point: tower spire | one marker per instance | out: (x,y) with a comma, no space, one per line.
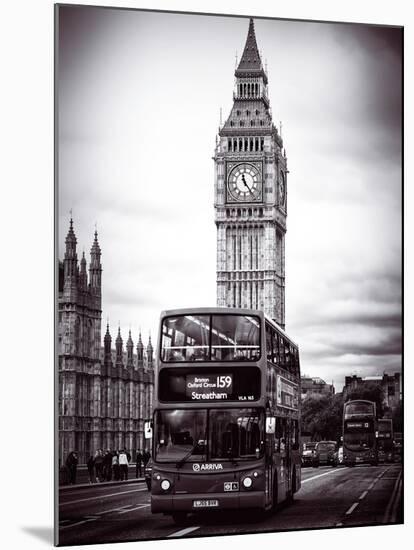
(71,258)
(140,349)
(250,61)
(95,267)
(107,345)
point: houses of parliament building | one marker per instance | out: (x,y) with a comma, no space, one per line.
(105,394)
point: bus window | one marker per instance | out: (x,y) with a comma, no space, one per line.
(280,435)
(269,352)
(235,338)
(276,358)
(185,338)
(283,435)
(235,433)
(296,362)
(288,359)
(295,435)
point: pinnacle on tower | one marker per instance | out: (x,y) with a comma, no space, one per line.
(95,267)
(83,273)
(70,239)
(140,349)
(107,345)
(130,350)
(118,347)
(150,351)
(70,259)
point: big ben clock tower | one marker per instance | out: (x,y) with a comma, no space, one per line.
(251,196)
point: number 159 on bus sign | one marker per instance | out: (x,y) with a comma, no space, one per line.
(224,381)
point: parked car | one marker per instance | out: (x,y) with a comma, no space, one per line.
(326,453)
(308,453)
(148,474)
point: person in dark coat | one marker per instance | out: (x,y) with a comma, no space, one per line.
(147,456)
(140,459)
(107,466)
(99,465)
(71,465)
(91,467)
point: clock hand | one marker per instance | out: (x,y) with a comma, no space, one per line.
(245,183)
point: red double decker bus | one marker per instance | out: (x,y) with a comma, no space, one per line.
(360,433)
(226,413)
(385,441)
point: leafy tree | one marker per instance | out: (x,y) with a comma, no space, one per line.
(322,417)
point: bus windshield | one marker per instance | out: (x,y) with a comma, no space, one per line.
(359,441)
(210,338)
(181,434)
(214,434)
(359,407)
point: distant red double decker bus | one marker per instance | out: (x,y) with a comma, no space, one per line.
(226,413)
(360,433)
(385,441)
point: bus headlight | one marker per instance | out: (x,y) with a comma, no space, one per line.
(165,484)
(247,482)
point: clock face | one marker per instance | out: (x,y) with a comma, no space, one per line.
(244,183)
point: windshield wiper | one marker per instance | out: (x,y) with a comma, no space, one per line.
(190,452)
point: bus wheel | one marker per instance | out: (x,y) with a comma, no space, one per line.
(179,518)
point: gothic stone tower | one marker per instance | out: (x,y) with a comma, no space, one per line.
(105,395)
(250,196)
(80,310)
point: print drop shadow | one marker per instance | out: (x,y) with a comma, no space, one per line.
(44,534)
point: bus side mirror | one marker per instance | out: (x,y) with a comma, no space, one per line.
(270,425)
(147,429)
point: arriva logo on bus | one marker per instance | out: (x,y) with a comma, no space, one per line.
(201,467)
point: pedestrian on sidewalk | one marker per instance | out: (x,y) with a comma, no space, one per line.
(115,465)
(147,456)
(99,466)
(140,459)
(107,465)
(91,467)
(71,465)
(123,465)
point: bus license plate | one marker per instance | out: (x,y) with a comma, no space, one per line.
(212,503)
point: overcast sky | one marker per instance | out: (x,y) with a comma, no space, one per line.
(139,100)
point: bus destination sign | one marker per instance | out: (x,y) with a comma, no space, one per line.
(216,387)
(286,393)
(357,425)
